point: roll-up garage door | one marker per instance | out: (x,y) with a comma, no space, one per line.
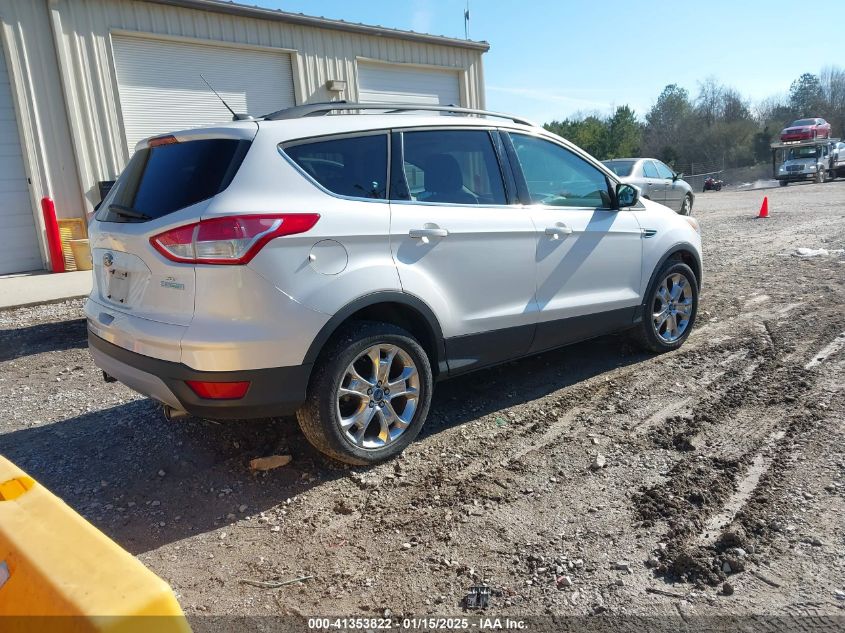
(161,89)
(18,242)
(400,84)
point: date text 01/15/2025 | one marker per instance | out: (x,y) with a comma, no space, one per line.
(481,623)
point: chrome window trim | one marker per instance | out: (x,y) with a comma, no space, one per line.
(454,204)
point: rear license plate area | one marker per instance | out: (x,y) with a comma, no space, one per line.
(118,285)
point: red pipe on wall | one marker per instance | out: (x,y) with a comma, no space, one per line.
(54,238)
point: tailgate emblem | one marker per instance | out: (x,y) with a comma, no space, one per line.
(108,260)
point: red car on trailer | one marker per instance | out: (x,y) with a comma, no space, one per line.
(805,130)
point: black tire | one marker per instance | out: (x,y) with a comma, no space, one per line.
(820,176)
(318,417)
(644,333)
(686,205)
(783,183)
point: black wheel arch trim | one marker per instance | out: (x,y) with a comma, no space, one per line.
(680,247)
(386,296)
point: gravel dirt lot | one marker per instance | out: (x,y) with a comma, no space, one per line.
(724,462)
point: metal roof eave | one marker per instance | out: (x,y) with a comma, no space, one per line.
(278,15)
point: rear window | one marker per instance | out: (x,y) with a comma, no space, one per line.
(160,180)
(353,166)
(621,168)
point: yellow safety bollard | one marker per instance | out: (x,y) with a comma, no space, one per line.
(60,573)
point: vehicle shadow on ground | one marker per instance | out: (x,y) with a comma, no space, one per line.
(45,337)
(490,390)
(147,482)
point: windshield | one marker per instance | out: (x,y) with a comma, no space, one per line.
(803,122)
(801,152)
(620,167)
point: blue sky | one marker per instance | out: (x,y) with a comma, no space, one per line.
(549,59)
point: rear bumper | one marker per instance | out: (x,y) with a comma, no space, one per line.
(272,392)
(799,136)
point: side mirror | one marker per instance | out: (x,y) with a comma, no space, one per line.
(676,177)
(627,195)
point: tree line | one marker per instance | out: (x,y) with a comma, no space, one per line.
(716,128)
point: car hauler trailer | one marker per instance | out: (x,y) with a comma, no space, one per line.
(815,159)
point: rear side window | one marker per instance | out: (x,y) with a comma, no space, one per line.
(160,180)
(663,170)
(621,168)
(351,166)
(650,170)
(453,167)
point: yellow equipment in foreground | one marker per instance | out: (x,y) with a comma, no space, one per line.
(59,573)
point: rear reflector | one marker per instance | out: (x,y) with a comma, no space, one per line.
(230,239)
(218,390)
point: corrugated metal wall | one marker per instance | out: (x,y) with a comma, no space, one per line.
(84,29)
(42,121)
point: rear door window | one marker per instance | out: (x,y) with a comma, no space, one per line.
(663,170)
(163,179)
(354,166)
(453,167)
(649,170)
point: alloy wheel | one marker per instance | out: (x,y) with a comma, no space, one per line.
(378,396)
(672,307)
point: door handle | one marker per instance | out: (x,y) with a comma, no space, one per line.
(559,231)
(427,232)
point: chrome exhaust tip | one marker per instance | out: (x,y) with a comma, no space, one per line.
(171,414)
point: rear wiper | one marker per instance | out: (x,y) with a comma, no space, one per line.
(128,212)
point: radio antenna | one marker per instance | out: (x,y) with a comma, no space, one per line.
(235,117)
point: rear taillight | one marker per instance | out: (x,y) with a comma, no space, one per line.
(218,390)
(231,239)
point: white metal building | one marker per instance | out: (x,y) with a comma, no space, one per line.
(81,81)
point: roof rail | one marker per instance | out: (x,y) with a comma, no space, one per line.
(316,109)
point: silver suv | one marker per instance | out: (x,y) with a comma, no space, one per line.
(338,264)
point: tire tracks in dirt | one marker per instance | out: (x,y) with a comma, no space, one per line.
(729,447)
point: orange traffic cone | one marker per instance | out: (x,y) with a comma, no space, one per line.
(764,208)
